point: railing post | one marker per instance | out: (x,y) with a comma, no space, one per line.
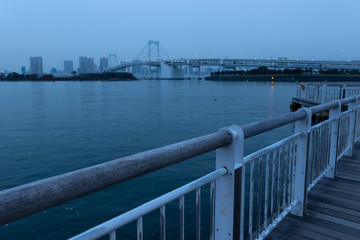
(342,86)
(351,106)
(302,91)
(323,93)
(302,154)
(334,114)
(228,222)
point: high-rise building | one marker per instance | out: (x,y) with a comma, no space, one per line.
(113,60)
(83,65)
(104,64)
(23,70)
(87,65)
(68,66)
(36,65)
(91,66)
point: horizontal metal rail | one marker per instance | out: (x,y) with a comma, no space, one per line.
(27,199)
(270,148)
(117,222)
(34,197)
(258,127)
(324,107)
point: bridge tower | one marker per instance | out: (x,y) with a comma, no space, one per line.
(151,44)
(154,69)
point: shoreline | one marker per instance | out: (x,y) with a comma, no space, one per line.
(287,78)
(66,80)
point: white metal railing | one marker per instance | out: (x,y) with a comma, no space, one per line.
(319,152)
(271,181)
(248,195)
(137,214)
(321,93)
(357,124)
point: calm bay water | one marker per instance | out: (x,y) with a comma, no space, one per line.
(51,128)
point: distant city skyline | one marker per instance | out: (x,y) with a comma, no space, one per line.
(66,30)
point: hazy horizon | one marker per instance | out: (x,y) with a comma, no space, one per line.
(65,30)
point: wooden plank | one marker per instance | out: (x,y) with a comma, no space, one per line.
(334,219)
(333,192)
(353,158)
(334,213)
(301,222)
(288,230)
(340,190)
(340,185)
(350,159)
(336,208)
(342,181)
(348,176)
(279,235)
(349,167)
(337,201)
(273,237)
(337,227)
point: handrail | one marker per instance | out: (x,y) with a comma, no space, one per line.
(117,222)
(324,107)
(37,196)
(27,199)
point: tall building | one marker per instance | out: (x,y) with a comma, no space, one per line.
(83,65)
(87,65)
(104,64)
(113,60)
(36,65)
(91,66)
(68,66)
(23,70)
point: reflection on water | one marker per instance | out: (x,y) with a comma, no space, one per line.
(271,100)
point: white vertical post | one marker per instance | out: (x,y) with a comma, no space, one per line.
(303,91)
(352,106)
(302,155)
(323,94)
(334,114)
(224,192)
(342,88)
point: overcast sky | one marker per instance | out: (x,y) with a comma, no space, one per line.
(61,30)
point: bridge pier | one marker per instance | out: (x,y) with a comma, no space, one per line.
(195,70)
(177,72)
(154,72)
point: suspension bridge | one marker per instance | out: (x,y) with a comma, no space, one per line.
(149,61)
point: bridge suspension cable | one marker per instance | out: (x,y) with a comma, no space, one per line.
(151,46)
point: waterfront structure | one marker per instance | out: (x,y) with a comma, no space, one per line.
(36,65)
(23,70)
(104,64)
(312,94)
(68,67)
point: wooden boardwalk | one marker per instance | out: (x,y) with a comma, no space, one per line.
(333,210)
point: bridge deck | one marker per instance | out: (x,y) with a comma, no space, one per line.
(333,210)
